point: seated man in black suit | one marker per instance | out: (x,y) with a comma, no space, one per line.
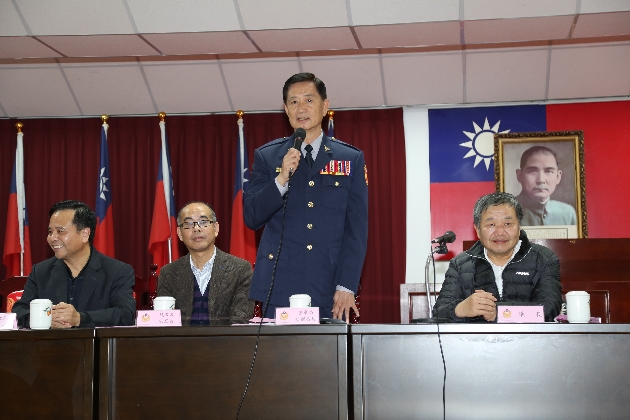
(87,288)
(209,285)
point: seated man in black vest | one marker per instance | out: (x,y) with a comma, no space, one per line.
(502,266)
(209,285)
(87,288)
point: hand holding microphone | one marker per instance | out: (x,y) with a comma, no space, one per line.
(291,160)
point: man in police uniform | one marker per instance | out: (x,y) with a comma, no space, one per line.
(326,219)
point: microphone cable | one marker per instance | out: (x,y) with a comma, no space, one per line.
(264,307)
(439,341)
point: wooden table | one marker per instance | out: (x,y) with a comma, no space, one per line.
(201,372)
(46,374)
(518,371)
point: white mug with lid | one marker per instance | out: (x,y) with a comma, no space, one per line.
(578,307)
(163,303)
(300,301)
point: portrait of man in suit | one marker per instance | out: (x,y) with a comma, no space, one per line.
(542,177)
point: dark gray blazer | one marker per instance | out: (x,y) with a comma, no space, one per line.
(228,289)
(106,296)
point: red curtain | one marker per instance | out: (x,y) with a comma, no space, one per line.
(61,162)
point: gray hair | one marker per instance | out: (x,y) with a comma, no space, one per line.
(496,199)
(179,214)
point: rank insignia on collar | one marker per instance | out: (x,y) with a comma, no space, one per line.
(278,170)
(338,167)
(326,149)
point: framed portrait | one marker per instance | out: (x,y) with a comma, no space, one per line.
(545,171)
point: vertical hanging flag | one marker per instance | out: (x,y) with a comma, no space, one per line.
(242,240)
(104,235)
(331,123)
(163,239)
(17,244)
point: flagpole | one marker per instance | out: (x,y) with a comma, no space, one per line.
(167,183)
(20,178)
(241,144)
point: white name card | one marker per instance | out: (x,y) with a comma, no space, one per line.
(170,318)
(297,316)
(8,322)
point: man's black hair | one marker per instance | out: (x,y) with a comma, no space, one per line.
(84,217)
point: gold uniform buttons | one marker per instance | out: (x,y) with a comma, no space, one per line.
(310,226)
(271,256)
(309,247)
(311,183)
(336,184)
(310,204)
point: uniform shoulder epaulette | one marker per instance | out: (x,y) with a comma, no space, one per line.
(343,143)
(274,142)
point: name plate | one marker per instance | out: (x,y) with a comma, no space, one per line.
(8,322)
(170,318)
(297,316)
(520,314)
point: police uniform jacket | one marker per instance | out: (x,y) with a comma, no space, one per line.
(325,225)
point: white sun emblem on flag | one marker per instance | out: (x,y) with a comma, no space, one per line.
(103,186)
(481,142)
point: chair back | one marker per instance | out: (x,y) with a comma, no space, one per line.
(8,286)
(413,300)
(12,298)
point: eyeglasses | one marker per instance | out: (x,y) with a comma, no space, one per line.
(202,224)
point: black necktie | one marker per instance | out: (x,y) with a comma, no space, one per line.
(309,156)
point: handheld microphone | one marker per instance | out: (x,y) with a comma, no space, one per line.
(448,237)
(299,136)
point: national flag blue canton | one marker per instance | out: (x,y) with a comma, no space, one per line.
(461,140)
(331,127)
(103,194)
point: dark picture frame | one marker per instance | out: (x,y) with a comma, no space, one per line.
(569,148)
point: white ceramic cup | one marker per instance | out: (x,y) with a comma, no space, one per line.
(164,303)
(578,307)
(40,314)
(300,301)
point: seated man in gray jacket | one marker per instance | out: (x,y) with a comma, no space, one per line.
(209,285)
(502,266)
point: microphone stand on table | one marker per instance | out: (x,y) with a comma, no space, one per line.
(440,249)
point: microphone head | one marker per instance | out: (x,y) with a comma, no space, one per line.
(300,133)
(449,237)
